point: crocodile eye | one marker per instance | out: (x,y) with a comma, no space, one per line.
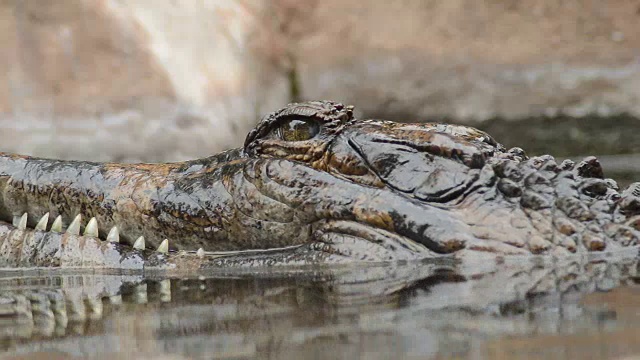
(298,130)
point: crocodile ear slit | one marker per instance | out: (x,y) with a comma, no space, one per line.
(74,227)
(42,223)
(92,228)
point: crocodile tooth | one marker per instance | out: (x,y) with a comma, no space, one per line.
(139,244)
(163,247)
(22,223)
(200,252)
(74,227)
(42,224)
(57,224)
(92,228)
(114,235)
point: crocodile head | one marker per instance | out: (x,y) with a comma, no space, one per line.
(427,189)
(313,183)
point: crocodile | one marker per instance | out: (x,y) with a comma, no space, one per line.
(314,185)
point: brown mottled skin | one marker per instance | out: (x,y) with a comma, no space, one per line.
(313,184)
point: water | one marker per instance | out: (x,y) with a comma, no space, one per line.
(509,308)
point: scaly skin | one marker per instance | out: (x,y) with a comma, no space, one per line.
(356,190)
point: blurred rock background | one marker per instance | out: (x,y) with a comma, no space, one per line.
(147,80)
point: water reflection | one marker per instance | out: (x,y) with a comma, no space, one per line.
(378,311)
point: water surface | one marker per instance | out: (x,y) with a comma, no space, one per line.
(491,308)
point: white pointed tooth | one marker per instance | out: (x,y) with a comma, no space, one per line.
(163,247)
(139,244)
(74,227)
(57,224)
(200,252)
(22,223)
(114,235)
(92,228)
(42,224)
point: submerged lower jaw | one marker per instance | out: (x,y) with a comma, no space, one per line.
(90,230)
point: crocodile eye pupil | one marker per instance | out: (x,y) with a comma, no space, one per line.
(298,130)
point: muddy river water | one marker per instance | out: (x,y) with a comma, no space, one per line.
(581,307)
